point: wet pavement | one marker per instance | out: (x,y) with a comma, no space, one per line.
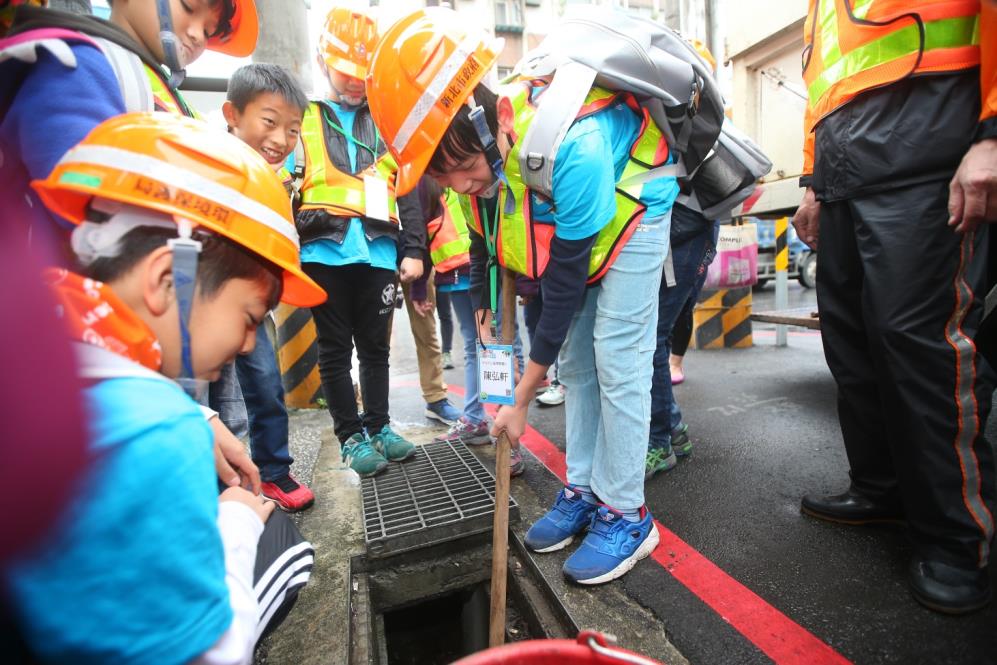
(752,580)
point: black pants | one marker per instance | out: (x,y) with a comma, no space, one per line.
(284,562)
(359,309)
(900,297)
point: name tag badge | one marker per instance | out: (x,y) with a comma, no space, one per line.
(376,197)
(495,378)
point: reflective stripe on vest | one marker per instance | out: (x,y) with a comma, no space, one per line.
(449,240)
(325,186)
(522,244)
(165,99)
(857,45)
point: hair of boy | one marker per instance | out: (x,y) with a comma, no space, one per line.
(460,141)
(250,81)
(219,261)
(224,19)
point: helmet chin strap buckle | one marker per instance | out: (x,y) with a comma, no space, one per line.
(185,256)
(170,43)
(492,154)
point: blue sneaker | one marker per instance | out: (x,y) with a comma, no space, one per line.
(443,411)
(612,547)
(555,530)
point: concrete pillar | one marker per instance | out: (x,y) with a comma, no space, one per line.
(285,37)
(75,6)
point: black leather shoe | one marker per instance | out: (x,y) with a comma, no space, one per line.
(947,589)
(851,507)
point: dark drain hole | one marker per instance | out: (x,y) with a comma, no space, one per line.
(446,628)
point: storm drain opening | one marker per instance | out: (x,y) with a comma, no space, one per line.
(420,592)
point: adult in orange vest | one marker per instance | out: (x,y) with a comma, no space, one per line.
(901,169)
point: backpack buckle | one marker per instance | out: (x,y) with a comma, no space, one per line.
(535,161)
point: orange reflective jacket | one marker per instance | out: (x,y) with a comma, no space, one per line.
(851,46)
(449,240)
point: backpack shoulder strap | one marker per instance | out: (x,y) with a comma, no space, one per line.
(25,46)
(130,72)
(557,109)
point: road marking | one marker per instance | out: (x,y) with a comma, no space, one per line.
(776,635)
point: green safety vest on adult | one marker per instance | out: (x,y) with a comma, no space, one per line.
(523,245)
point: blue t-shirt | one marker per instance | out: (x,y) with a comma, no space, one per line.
(355,248)
(584,180)
(135,570)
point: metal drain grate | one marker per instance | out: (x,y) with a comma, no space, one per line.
(442,493)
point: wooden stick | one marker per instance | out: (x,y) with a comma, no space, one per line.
(500,527)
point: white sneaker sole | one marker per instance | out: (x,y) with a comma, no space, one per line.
(555,547)
(626,565)
(437,417)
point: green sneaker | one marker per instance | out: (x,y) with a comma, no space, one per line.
(392,446)
(658,459)
(361,456)
(680,440)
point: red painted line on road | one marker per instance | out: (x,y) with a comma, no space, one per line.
(776,635)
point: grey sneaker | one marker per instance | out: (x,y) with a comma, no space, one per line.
(680,440)
(466,432)
(447,360)
(659,459)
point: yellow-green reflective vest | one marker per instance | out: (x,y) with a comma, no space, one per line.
(523,245)
(449,239)
(325,186)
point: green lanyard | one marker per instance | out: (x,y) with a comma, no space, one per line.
(491,242)
(377,135)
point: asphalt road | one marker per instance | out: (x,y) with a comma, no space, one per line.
(765,432)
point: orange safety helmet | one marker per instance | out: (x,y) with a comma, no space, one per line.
(186,169)
(704,53)
(348,41)
(425,67)
(244,28)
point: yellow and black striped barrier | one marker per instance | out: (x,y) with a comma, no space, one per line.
(781,244)
(722,319)
(297,354)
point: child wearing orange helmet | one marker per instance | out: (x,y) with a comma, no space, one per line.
(598,243)
(348,221)
(185,239)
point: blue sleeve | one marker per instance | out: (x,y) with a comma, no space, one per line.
(135,572)
(584,182)
(563,284)
(55,106)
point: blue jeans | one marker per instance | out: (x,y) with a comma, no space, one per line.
(606,365)
(464,310)
(690,261)
(259,379)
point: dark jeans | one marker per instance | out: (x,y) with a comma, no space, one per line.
(531,316)
(900,297)
(690,260)
(446,320)
(359,309)
(682,332)
(259,379)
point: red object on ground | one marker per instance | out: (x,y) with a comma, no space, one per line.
(292,497)
(589,647)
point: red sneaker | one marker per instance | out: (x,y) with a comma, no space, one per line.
(290,495)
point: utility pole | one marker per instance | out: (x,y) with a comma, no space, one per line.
(284,37)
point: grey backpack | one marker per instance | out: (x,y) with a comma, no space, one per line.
(619,52)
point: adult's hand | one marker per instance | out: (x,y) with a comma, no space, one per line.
(410,270)
(233,464)
(806,221)
(973,190)
(260,506)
